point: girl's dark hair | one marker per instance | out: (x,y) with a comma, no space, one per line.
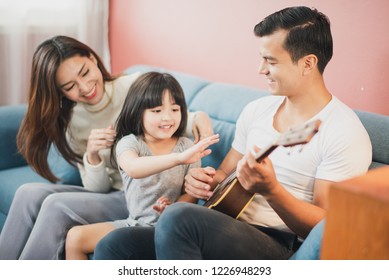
(147,92)
(309,32)
(48,117)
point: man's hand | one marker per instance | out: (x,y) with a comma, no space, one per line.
(256,177)
(198,182)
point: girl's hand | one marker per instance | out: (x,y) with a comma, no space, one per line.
(202,126)
(99,139)
(161,205)
(199,150)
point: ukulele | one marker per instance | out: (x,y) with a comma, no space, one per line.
(230,198)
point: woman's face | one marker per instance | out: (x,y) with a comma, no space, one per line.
(81,80)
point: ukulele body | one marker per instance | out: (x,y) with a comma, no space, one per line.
(232,201)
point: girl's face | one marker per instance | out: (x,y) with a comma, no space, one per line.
(81,80)
(163,121)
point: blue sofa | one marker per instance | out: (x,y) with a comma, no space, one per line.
(223,102)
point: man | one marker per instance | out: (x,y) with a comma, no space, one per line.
(295,45)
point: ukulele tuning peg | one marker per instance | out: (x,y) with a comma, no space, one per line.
(290,150)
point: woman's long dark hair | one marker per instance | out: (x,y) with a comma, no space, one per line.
(147,92)
(48,114)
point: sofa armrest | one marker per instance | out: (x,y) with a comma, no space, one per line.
(377,126)
(10,119)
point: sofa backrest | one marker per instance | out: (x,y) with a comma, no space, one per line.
(10,120)
(202,95)
(377,127)
(223,103)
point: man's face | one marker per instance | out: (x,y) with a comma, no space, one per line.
(283,76)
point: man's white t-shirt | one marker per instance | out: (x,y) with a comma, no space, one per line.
(340,150)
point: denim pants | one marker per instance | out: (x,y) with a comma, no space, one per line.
(128,243)
(310,249)
(188,231)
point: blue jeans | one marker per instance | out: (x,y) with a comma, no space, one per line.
(129,243)
(189,231)
(310,249)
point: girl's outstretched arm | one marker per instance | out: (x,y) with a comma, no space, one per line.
(140,167)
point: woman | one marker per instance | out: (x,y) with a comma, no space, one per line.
(73,104)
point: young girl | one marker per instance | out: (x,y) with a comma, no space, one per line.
(73,104)
(152,155)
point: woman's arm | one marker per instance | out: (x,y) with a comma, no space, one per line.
(95,177)
(199,125)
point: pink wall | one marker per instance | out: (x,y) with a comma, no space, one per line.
(214,40)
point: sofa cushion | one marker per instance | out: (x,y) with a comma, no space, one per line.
(65,172)
(234,98)
(11,118)
(190,84)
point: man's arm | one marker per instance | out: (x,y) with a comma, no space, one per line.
(298,215)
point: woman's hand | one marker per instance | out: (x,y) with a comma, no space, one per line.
(202,126)
(99,139)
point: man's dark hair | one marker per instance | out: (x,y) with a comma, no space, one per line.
(308,30)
